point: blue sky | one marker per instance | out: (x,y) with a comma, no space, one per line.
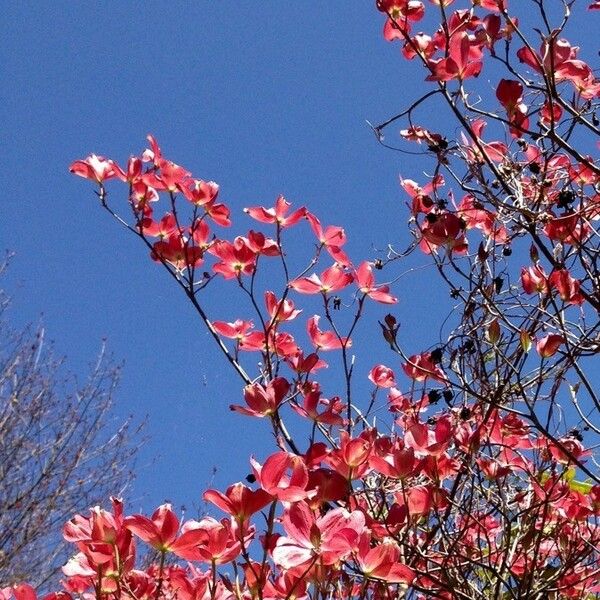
(262,97)
(264,100)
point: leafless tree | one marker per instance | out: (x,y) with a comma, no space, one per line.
(61,449)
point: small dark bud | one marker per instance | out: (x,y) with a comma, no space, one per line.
(436,356)
(482,253)
(565,198)
(431,421)
(469,309)
(389,337)
(469,346)
(534,254)
(506,251)
(433,396)
(535,168)
(576,434)
(438,146)
(378,264)
(465,413)
(448,397)
(389,329)
(337,303)
(427,201)
(498,283)
(251,478)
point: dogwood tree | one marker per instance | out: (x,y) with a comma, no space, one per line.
(485,485)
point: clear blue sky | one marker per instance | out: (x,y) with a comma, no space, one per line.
(264,98)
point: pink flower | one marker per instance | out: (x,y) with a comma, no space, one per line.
(510,94)
(534,279)
(262,401)
(277,213)
(421,367)
(463,61)
(236,258)
(351,459)
(169,177)
(280,310)
(444,229)
(161,530)
(574,448)
(325,340)
(332,279)
(422,201)
(328,539)
(261,244)
(548,345)
(331,413)
(218,542)
(398,463)
(306,364)
(567,286)
(200,193)
(177,251)
(568,229)
(476,216)
(162,229)
(332,238)
(22,591)
(238,500)
(95,167)
(382,376)
(382,561)
(283,476)
(366,284)
(427,441)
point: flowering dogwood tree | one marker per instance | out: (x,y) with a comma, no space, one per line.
(486,485)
